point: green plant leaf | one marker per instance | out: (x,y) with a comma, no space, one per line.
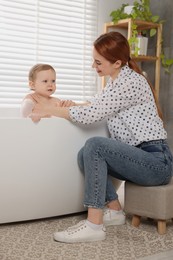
(134,26)
(152,32)
(169,62)
(155,18)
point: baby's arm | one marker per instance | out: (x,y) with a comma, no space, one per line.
(26,107)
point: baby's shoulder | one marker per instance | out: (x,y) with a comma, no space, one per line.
(55,99)
(29,98)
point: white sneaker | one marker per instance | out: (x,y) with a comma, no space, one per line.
(80,233)
(113,217)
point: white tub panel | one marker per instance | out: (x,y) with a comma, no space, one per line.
(39,175)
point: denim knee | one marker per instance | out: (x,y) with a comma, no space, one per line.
(92,144)
(88,147)
(80,159)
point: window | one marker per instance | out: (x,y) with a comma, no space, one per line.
(57,32)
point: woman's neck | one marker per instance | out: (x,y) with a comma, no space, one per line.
(115,74)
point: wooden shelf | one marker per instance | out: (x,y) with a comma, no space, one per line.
(126,24)
(144,58)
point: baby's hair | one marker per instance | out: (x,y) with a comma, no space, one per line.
(37,68)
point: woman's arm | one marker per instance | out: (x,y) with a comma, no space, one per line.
(43,111)
(70,103)
(46,110)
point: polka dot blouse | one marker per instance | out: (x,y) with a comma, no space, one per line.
(129,106)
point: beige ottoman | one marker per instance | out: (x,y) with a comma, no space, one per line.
(154,202)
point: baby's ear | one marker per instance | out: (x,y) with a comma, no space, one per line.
(31,85)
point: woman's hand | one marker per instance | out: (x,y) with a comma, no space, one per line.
(43,109)
(66,103)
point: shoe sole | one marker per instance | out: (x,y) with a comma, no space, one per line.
(75,240)
(114,222)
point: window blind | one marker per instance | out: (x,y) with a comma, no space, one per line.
(60,33)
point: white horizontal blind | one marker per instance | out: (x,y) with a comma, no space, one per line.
(60,33)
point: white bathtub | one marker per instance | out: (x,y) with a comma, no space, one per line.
(39,175)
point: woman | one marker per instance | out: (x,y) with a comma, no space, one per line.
(136,151)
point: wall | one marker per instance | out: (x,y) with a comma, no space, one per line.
(105,7)
(165,10)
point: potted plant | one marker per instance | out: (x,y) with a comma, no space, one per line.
(140,10)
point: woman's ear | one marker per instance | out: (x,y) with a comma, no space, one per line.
(117,64)
(31,85)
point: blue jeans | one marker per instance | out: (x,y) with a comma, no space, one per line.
(148,164)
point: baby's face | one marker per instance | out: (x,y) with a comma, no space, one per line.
(45,83)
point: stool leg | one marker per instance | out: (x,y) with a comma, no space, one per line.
(161,226)
(136,220)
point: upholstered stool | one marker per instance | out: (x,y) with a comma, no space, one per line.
(154,202)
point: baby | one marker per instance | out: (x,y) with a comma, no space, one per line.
(42,81)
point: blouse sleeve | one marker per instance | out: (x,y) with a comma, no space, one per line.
(115,97)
